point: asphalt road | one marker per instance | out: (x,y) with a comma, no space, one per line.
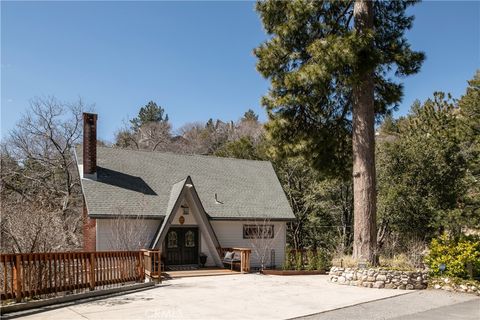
(418,305)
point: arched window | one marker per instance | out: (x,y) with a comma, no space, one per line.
(189,239)
(172,239)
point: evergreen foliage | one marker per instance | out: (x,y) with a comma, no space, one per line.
(313,58)
(423,173)
(151,112)
(250,115)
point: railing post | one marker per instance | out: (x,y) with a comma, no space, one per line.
(141,268)
(159,257)
(92,271)
(242,261)
(17,277)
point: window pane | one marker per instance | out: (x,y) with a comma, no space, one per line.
(172,240)
(258,232)
(189,239)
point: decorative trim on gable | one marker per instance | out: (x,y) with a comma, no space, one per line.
(178,193)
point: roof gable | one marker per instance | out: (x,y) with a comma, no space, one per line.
(180,191)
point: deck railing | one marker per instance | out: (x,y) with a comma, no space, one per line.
(242,253)
(153,265)
(33,275)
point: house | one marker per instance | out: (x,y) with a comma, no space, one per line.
(183,205)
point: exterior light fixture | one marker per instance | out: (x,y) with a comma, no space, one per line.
(442,267)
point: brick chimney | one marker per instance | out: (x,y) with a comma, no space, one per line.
(89,145)
(89,172)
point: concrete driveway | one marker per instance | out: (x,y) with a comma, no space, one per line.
(248,296)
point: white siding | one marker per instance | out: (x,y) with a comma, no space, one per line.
(230,234)
(189,218)
(111,231)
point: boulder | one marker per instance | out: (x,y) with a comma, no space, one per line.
(381,277)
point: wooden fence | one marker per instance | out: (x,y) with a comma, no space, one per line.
(32,275)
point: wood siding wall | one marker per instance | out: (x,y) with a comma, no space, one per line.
(107,233)
(230,234)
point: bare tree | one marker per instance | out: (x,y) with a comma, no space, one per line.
(251,128)
(126,139)
(262,236)
(193,141)
(128,233)
(152,136)
(29,227)
(39,174)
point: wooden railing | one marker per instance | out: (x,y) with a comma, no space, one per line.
(153,265)
(242,253)
(36,274)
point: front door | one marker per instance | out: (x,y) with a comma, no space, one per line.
(182,246)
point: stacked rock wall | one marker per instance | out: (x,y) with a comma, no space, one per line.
(380,278)
(448,284)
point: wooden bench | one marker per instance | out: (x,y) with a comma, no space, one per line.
(241,258)
(231,262)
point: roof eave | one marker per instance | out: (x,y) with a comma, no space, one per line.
(127,216)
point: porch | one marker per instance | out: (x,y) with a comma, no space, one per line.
(156,259)
(203,272)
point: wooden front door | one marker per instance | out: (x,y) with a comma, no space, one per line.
(182,246)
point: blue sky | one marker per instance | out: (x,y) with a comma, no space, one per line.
(193,58)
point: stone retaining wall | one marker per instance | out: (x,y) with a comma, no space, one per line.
(448,284)
(380,278)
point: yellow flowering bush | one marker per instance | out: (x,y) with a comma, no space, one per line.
(461,257)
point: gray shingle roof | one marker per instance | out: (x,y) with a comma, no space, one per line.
(141,182)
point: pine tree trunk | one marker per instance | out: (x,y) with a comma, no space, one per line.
(364,189)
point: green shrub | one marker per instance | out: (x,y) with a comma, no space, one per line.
(323,260)
(288,265)
(458,256)
(311,260)
(298,260)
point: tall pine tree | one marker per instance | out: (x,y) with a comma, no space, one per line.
(332,66)
(151,112)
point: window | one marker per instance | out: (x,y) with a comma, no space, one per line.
(186,210)
(257,232)
(172,240)
(189,239)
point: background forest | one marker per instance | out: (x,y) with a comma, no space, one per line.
(428,172)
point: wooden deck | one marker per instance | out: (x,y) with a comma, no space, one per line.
(198,273)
